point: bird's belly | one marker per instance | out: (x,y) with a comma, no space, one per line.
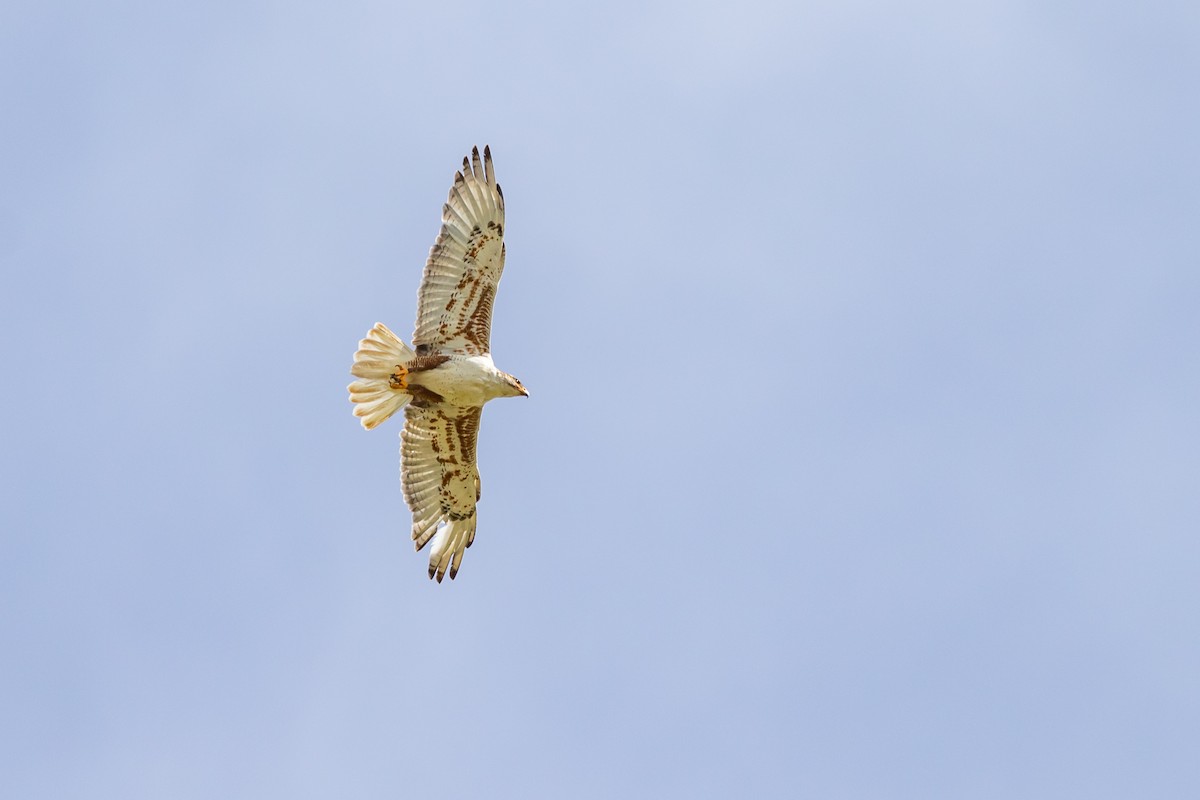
(460,381)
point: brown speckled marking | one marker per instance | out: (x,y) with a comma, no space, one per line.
(422,397)
(424,363)
(472,291)
(477,329)
(467,429)
(478,240)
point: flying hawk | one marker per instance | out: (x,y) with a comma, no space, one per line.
(443,381)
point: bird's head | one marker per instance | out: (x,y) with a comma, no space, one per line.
(515,387)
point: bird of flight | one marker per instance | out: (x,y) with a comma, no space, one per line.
(443,381)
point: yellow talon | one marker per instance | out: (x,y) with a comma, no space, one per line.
(399,379)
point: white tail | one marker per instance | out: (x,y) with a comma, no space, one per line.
(380,362)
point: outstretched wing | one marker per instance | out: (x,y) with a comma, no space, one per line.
(454,305)
(441,482)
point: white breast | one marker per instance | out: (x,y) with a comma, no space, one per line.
(465,380)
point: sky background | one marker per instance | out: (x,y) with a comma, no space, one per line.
(863,452)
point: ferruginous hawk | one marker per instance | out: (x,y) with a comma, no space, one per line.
(443,381)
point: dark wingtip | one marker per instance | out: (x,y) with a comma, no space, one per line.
(487,151)
(432,570)
(475,150)
(453,573)
(499,191)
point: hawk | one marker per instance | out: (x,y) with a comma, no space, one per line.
(443,381)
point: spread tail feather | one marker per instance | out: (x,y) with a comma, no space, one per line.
(380,363)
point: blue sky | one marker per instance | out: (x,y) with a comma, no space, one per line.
(862,453)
